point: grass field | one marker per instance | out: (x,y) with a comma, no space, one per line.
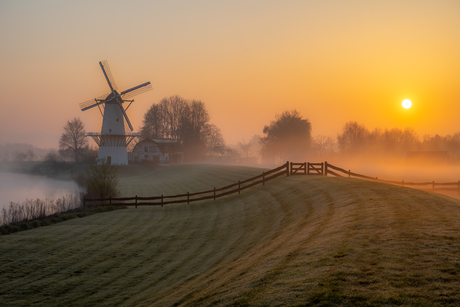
(302,240)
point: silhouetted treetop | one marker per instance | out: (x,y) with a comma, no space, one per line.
(289,134)
(186,121)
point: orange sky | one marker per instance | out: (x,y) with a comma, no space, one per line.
(246,60)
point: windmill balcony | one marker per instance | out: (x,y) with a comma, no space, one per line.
(133,134)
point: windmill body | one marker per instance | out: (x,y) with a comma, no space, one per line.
(116,132)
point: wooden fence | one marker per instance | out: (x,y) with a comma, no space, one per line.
(192,197)
(427,185)
(287,169)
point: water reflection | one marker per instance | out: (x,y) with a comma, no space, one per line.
(17,187)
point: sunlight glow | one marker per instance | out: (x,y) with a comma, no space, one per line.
(406,103)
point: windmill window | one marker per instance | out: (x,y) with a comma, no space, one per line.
(117,119)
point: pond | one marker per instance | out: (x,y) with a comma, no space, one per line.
(17,187)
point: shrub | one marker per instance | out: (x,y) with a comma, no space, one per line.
(102,180)
(24,226)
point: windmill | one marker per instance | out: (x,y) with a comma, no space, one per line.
(116,132)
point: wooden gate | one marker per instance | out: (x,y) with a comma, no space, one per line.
(315,168)
(298,168)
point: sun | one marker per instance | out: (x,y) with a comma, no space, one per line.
(406,103)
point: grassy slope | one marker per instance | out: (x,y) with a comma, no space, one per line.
(301,240)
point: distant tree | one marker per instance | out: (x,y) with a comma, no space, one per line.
(53,164)
(20,156)
(214,141)
(353,138)
(245,147)
(289,134)
(398,141)
(186,121)
(89,154)
(30,155)
(231,154)
(322,145)
(73,139)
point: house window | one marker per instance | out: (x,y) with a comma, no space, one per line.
(146,149)
(152,149)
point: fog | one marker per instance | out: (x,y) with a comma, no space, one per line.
(18,187)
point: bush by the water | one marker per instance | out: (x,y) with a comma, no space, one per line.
(100,181)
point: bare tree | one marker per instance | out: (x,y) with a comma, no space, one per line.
(73,140)
(353,138)
(187,122)
(214,141)
(245,146)
(322,145)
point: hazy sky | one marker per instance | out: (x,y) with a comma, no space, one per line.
(333,61)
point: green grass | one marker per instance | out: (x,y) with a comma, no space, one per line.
(300,240)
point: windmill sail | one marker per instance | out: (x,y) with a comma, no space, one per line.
(108,75)
(147,86)
(120,101)
(85,105)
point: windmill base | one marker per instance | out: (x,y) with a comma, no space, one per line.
(113,155)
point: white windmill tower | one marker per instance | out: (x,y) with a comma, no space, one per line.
(116,132)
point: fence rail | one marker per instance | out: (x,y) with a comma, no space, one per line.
(192,197)
(287,169)
(444,186)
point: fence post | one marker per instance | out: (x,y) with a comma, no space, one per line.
(348,173)
(287,168)
(290,170)
(433,184)
(325,168)
(162,200)
(188,198)
(263,178)
(214,193)
(239,186)
(136,201)
(305,168)
(402,183)
(308,168)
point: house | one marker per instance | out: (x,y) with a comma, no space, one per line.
(157,151)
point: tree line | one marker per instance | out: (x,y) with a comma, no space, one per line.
(357,140)
(287,137)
